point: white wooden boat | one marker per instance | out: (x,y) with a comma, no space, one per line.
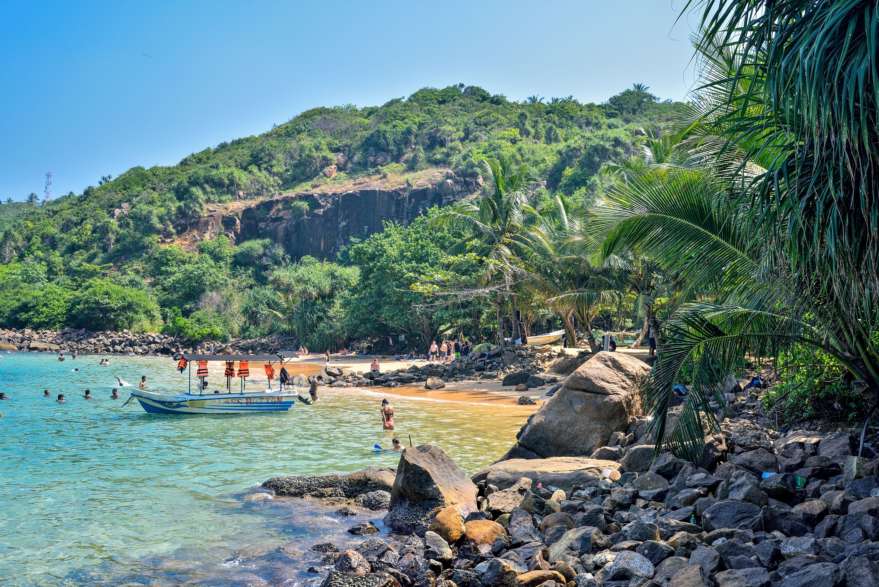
(544,339)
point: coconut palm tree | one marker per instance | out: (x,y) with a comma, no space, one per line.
(496,222)
(776,236)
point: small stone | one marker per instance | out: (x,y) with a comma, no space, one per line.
(364,529)
(706,557)
(732,514)
(629,565)
(689,576)
(638,458)
(538,577)
(750,577)
(352,562)
(436,547)
(811,511)
(641,531)
(655,551)
(815,575)
(798,546)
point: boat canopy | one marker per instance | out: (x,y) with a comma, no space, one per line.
(263,357)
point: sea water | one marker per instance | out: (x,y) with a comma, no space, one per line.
(93,492)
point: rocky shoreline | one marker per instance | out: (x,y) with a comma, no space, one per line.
(127,343)
(763,507)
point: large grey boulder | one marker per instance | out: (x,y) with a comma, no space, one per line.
(599,398)
(427,479)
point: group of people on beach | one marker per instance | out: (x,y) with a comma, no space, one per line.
(448,350)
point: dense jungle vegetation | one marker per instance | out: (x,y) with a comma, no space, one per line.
(107,258)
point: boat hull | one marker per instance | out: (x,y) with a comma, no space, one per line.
(227,403)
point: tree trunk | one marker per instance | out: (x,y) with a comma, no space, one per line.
(570,331)
(645,327)
(500,322)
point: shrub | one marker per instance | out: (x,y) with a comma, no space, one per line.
(103,305)
(199,326)
(813,385)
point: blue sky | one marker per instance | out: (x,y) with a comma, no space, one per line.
(91,88)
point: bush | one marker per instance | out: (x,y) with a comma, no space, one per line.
(201,325)
(813,385)
(103,305)
(47,307)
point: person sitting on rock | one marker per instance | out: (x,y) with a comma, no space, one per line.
(374,367)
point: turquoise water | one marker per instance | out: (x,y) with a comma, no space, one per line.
(93,490)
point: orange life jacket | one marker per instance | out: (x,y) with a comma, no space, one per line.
(270,371)
(243,369)
(181,364)
(202,369)
(230,369)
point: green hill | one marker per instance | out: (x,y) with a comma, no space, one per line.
(119,232)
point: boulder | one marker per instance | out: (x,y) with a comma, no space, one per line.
(352,562)
(629,565)
(538,577)
(562,472)
(505,501)
(434,383)
(747,577)
(436,547)
(517,378)
(448,523)
(599,398)
(8,346)
(483,532)
(427,479)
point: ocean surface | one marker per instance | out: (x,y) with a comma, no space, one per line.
(97,493)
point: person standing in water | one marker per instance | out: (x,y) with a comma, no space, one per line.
(312,388)
(387,415)
(142,384)
(283,378)
(395,444)
(87,394)
(114,394)
(60,399)
(46,393)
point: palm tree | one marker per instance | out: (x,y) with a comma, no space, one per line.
(776,236)
(558,261)
(495,221)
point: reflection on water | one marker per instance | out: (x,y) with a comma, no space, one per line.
(101,488)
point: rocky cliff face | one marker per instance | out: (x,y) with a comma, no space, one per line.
(319,224)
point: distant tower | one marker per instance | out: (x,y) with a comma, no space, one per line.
(47,190)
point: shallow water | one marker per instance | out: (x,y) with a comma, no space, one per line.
(93,490)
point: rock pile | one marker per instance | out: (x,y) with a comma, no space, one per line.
(761,508)
(521,366)
(128,343)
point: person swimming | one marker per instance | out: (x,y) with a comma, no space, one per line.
(87,394)
(395,444)
(114,394)
(143,383)
(46,393)
(387,413)
(60,399)
(3,396)
(121,382)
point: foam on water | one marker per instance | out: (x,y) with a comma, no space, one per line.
(95,490)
